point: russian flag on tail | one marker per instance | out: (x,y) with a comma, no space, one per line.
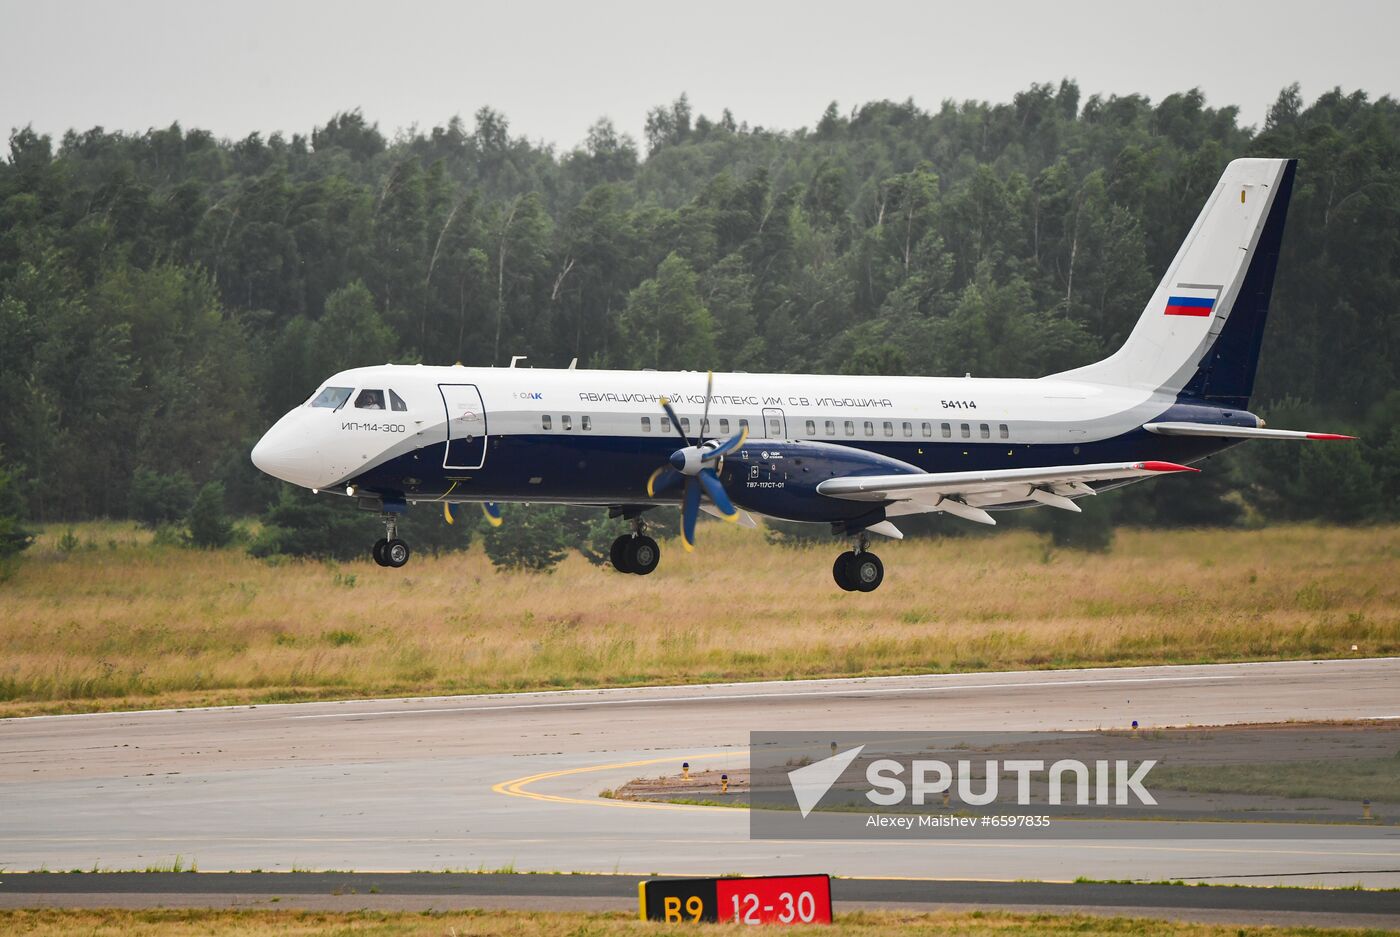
(1190,299)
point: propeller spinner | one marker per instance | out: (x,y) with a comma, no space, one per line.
(694,464)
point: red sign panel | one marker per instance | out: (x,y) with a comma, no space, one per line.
(794,899)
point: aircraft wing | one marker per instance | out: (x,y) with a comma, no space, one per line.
(966,494)
(1238,432)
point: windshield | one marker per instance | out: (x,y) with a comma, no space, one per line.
(332,397)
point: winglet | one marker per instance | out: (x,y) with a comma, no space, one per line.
(1165,467)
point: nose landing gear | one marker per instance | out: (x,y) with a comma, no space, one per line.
(859,570)
(390,550)
(635,552)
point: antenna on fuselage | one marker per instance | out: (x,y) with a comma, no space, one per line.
(573,364)
(515,358)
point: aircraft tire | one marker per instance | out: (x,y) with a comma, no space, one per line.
(866,571)
(642,555)
(395,553)
(618,553)
(378,551)
(841,571)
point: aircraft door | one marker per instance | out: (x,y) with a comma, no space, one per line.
(466,426)
(774,424)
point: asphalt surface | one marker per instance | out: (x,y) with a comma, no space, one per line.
(511,781)
(437,891)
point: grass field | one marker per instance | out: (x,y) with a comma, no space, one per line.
(104,923)
(119,622)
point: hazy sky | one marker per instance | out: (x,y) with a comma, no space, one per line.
(236,66)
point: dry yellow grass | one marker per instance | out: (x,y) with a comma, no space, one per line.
(105,923)
(126,624)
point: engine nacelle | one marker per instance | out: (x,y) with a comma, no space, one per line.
(779,479)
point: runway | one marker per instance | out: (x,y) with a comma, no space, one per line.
(410,891)
(511,781)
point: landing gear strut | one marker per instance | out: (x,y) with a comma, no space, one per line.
(390,550)
(635,552)
(859,570)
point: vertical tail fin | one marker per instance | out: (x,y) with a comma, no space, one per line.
(1199,336)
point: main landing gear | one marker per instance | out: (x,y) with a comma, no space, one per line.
(635,552)
(859,570)
(390,550)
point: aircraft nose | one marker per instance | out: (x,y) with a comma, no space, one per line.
(285,453)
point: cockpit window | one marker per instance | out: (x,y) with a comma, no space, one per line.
(332,398)
(396,402)
(370,400)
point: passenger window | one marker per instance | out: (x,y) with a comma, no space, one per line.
(869,427)
(811,427)
(947,431)
(889,428)
(909,429)
(775,427)
(370,400)
(646,424)
(986,431)
(704,427)
(566,422)
(724,425)
(966,431)
(665,424)
(333,398)
(587,423)
(396,402)
(744,425)
(685,424)
(1005,433)
(850,427)
(928,430)
(545,422)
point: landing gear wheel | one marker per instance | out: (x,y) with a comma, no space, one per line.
(618,553)
(641,554)
(395,553)
(840,571)
(866,571)
(378,551)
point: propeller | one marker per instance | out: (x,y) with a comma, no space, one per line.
(694,465)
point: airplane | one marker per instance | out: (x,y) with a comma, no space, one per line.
(854,452)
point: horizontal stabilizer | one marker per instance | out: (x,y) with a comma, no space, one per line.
(1236,432)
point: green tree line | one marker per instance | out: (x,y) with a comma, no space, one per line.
(165,295)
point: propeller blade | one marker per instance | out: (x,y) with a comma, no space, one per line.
(715,489)
(675,420)
(661,480)
(689,514)
(449,512)
(729,445)
(705,418)
(492,511)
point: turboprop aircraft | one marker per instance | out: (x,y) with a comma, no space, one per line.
(855,452)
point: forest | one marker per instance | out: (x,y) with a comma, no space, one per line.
(165,295)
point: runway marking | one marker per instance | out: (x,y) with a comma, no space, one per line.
(272,707)
(867,691)
(516,787)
